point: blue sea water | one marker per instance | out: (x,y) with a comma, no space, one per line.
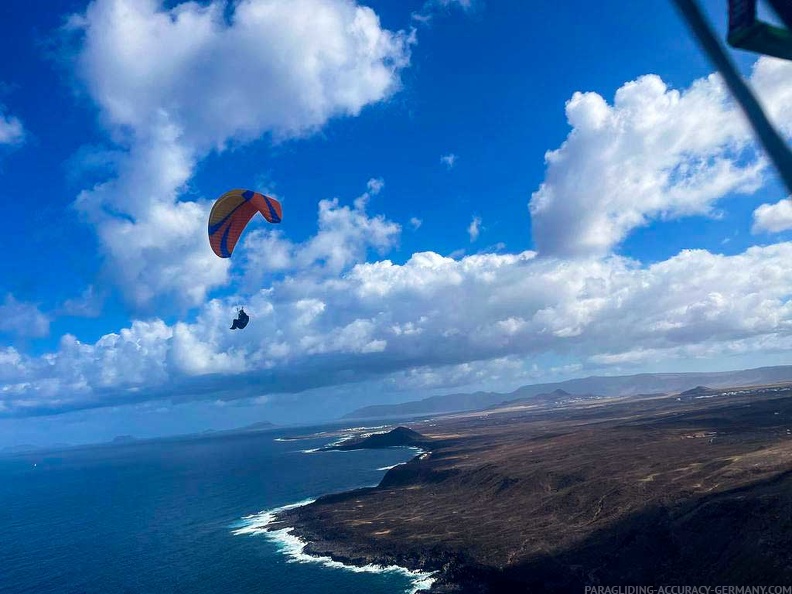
(177,516)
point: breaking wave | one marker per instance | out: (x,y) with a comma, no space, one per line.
(391,466)
(294,548)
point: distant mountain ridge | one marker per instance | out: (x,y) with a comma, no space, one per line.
(698,391)
(557,396)
(619,385)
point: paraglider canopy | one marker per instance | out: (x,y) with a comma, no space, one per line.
(241,321)
(232,212)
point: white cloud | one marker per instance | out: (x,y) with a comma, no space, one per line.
(344,238)
(22,319)
(277,68)
(328,316)
(456,254)
(375,185)
(87,305)
(415,222)
(773,218)
(706,350)
(194,355)
(12,368)
(431,8)
(164,253)
(464,4)
(11,129)
(425,322)
(504,371)
(655,153)
(281,67)
(474,228)
(449,160)
(345,235)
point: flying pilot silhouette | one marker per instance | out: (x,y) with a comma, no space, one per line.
(241,321)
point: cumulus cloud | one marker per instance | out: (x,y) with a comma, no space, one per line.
(328,316)
(474,228)
(429,320)
(448,160)
(345,237)
(277,68)
(773,218)
(415,222)
(655,153)
(11,129)
(22,319)
(281,67)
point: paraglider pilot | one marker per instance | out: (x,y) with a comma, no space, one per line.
(241,321)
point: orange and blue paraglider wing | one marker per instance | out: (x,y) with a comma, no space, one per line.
(232,212)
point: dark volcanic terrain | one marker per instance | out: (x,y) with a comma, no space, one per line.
(666,490)
(398,437)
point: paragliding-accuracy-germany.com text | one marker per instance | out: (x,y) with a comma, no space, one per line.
(688,590)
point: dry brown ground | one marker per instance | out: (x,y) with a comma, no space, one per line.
(654,490)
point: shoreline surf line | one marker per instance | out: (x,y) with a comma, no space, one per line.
(294,548)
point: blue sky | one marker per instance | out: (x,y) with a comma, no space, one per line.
(476,195)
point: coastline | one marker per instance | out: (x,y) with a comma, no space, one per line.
(435,572)
(299,550)
(661,491)
(294,544)
(431,574)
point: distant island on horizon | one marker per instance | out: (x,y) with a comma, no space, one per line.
(122,440)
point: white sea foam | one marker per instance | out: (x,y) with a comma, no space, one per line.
(316,435)
(391,466)
(363,428)
(358,433)
(294,548)
(257,523)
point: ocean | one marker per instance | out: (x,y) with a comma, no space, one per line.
(180,516)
